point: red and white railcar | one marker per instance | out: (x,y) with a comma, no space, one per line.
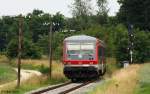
(83,57)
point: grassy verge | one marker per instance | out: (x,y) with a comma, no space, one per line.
(36,82)
(122,81)
(143,86)
(111,67)
(101,88)
(41,65)
(7,73)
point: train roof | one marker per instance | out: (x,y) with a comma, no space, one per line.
(80,38)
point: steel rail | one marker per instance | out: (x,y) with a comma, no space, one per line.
(51,88)
(75,88)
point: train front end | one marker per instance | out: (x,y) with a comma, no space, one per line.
(80,57)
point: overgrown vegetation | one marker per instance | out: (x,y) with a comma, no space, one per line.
(7,73)
(123,81)
(111,67)
(143,86)
(112,30)
(35,81)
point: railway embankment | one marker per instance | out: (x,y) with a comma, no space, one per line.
(134,79)
(30,82)
(143,85)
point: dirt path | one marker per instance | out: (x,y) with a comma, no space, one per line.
(25,75)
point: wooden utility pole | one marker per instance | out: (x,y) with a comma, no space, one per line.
(50,50)
(20,38)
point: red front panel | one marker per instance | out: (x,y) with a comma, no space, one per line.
(76,62)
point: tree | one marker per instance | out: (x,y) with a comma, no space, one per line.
(81,11)
(38,24)
(59,22)
(30,50)
(121,43)
(141,46)
(2,37)
(102,4)
(102,11)
(81,8)
(135,12)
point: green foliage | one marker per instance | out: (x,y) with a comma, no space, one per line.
(7,73)
(59,21)
(43,44)
(30,50)
(43,69)
(36,30)
(142,46)
(12,49)
(102,7)
(135,12)
(144,81)
(121,42)
(81,11)
(81,8)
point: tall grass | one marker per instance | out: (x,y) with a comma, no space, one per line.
(7,73)
(36,81)
(143,86)
(42,65)
(111,67)
(122,81)
(3,59)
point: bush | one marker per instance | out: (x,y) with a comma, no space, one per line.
(44,69)
(142,46)
(29,50)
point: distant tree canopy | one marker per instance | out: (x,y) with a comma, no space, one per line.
(84,15)
(36,26)
(135,12)
(81,11)
(112,31)
(102,7)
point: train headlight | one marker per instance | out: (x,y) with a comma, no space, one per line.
(69,63)
(91,63)
(80,63)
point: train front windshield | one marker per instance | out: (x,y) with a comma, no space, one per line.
(80,51)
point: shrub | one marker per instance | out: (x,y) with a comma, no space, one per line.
(29,50)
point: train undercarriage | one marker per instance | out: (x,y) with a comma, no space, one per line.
(82,72)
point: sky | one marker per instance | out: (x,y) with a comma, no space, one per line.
(16,7)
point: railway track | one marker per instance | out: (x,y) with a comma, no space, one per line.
(62,88)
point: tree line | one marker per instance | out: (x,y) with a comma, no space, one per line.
(111,29)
